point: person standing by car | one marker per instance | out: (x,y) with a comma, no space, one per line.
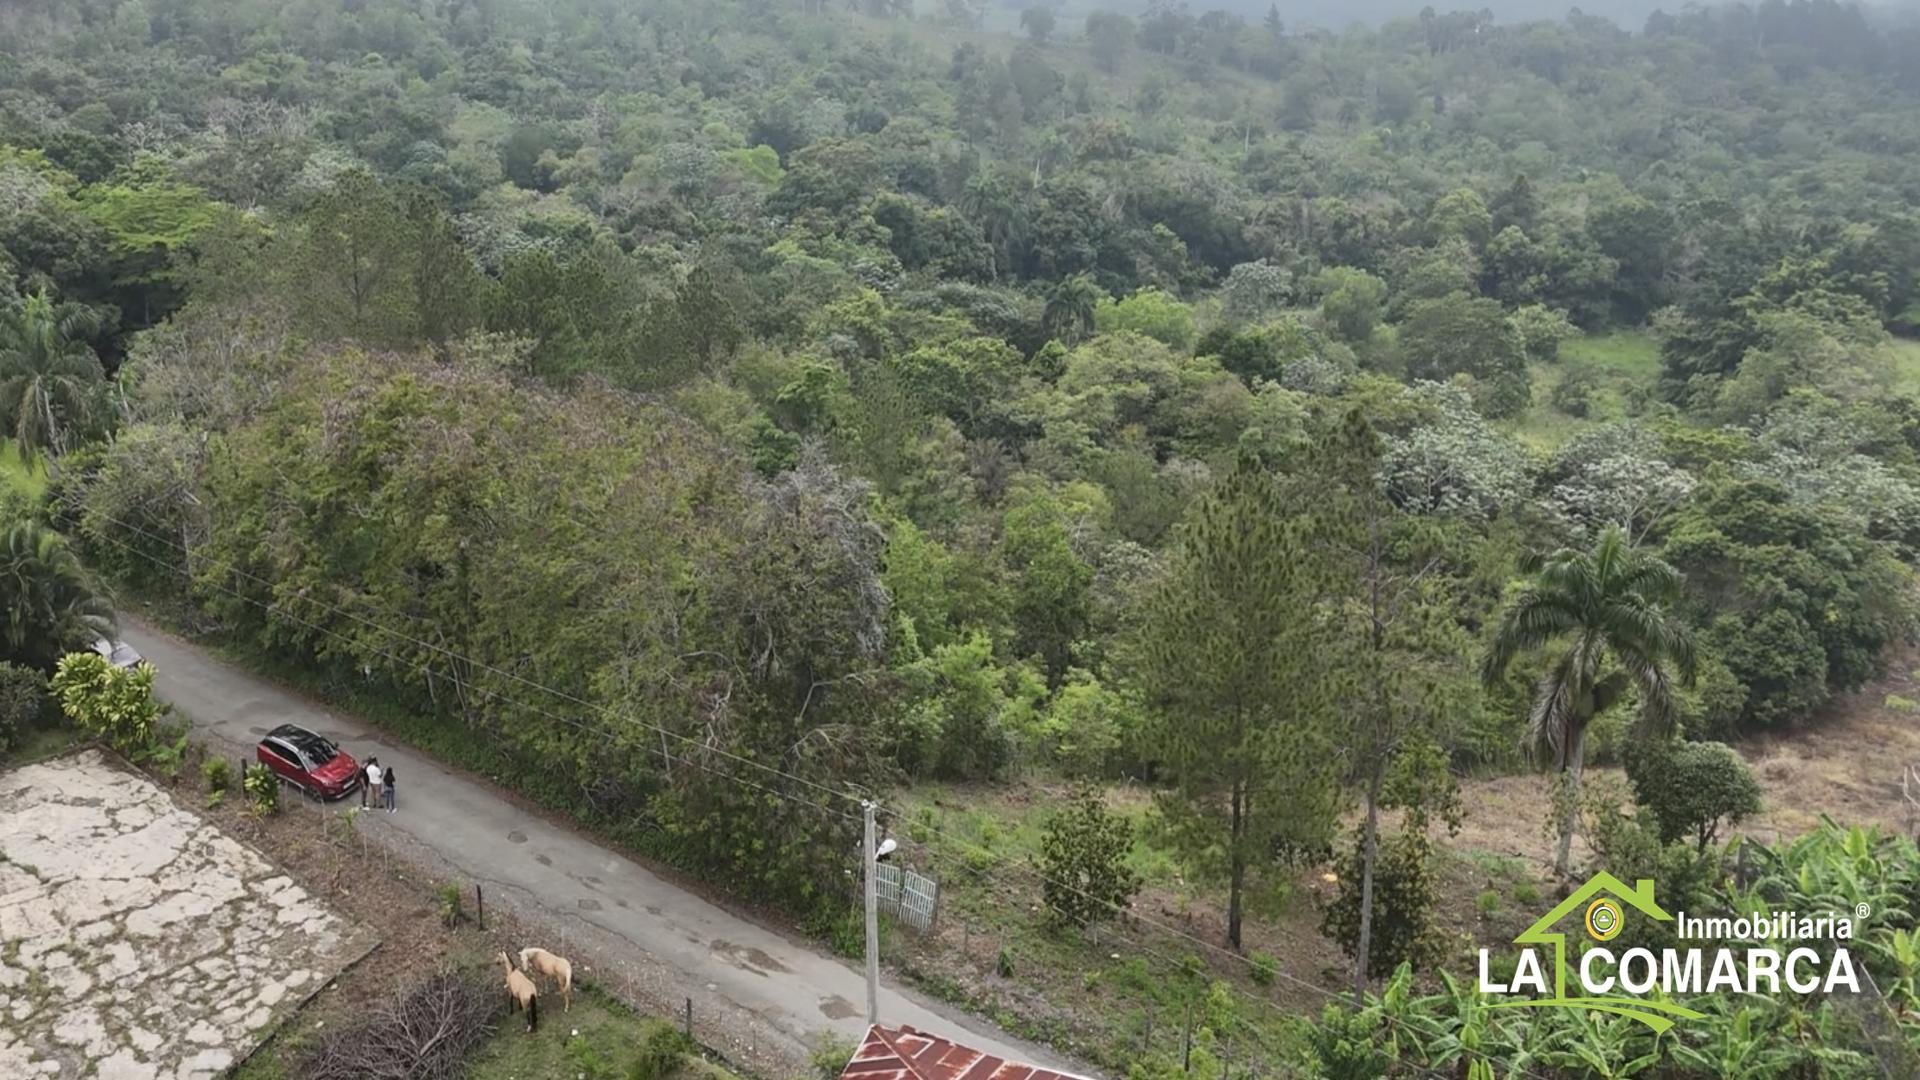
(386,791)
(372,781)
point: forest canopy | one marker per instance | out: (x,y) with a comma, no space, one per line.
(718,409)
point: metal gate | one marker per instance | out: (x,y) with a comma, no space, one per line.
(908,896)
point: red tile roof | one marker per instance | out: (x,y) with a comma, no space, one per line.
(906,1054)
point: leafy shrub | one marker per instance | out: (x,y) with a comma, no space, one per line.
(661,1051)
(1901,704)
(1693,789)
(262,788)
(23,697)
(1403,904)
(830,1057)
(114,703)
(166,752)
(1487,903)
(451,905)
(615,1054)
(1264,967)
(218,773)
(1573,394)
(1083,856)
(1526,893)
(1347,1046)
(1003,961)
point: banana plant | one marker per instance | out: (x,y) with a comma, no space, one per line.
(1898,953)
(1741,1048)
(1601,1046)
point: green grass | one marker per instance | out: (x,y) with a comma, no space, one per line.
(1002,824)
(1623,359)
(1906,367)
(600,1039)
(1631,355)
(29,479)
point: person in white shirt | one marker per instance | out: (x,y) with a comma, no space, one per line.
(372,783)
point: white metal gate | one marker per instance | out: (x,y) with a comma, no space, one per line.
(907,895)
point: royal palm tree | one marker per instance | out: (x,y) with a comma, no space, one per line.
(48,372)
(48,606)
(1069,311)
(1605,610)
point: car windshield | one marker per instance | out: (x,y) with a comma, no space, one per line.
(315,748)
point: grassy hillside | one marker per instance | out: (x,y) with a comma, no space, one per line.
(28,478)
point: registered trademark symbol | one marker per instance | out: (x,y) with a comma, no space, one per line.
(1863,910)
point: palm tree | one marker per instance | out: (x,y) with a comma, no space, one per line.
(990,203)
(1069,311)
(48,606)
(48,372)
(1606,608)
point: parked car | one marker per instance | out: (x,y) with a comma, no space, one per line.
(309,761)
(118,653)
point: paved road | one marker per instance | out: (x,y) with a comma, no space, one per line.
(793,992)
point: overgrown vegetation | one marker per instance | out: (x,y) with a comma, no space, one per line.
(1083,857)
(706,412)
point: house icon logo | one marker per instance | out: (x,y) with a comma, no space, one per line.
(1604,901)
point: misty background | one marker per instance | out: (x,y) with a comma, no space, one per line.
(1339,14)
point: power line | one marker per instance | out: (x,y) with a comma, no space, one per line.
(1186,966)
(666,758)
(1336,998)
(451,655)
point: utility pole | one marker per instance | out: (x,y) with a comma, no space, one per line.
(869,857)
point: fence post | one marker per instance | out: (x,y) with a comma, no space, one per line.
(689,1019)
(1186,1054)
(480,904)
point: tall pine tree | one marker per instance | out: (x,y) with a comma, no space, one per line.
(1397,646)
(1242,708)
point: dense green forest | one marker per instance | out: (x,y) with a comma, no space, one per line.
(701,411)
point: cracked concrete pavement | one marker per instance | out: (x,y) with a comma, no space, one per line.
(140,942)
(684,944)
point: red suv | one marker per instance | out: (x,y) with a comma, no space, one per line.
(309,761)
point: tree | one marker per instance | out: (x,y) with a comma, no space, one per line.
(349,275)
(48,373)
(1541,329)
(1083,860)
(49,606)
(23,696)
(1461,334)
(1605,610)
(1255,291)
(1039,23)
(1070,308)
(150,220)
(1110,36)
(1153,313)
(1351,302)
(1240,702)
(1050,581)
(1453,462)
(1399,641)
(1693,788)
